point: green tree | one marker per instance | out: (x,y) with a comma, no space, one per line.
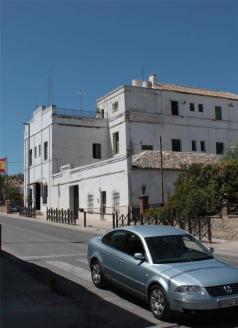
(2,187)
(231,153)
(200,190)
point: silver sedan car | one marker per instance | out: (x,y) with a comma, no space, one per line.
(164,265)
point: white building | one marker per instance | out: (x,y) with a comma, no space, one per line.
(92,163)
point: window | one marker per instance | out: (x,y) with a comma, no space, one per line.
(90,203)
(96,150)
(218,113)
(134,245)
(219,148)
(102,113)
(35,150)
(115,143)
(192,107)
(116,201)
(44,194)
(200,108)
(176,145)
(45,150)
(194,145)
(39,150)
(30,157)
(115,106)
(174,108)
(146,147)
(202,145)
(116,239)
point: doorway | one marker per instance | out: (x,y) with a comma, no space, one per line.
(37,195)
(74,199)
(103,204)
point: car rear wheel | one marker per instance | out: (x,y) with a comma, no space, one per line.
(97,274)
(158,303)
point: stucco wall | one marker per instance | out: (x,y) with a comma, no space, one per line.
(110,176)
(152,179)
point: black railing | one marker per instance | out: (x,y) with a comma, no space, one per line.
(198,227)
(61,216)
(232,209)
(27,211)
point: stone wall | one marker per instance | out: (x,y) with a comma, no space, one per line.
(3,209)
(225,228)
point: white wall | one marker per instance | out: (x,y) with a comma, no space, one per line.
(152,180)
(110,176)
(150,118)
(73,141)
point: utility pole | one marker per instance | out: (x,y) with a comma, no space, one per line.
(161,171)
(27,154)
(80,92)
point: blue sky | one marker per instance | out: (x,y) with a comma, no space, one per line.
(99,45)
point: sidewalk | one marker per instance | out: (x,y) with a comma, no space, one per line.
(97,226)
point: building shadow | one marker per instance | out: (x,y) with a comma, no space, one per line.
(69,305)
(81,308)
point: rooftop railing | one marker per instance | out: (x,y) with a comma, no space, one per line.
(76,112)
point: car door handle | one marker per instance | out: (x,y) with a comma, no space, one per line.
(121,261)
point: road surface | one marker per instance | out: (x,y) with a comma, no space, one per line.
(63,250)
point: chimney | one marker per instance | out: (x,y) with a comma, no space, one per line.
(153,79)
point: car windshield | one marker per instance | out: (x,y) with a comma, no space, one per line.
(176,248)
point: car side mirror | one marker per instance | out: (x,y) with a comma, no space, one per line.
(211,250)
(139,256)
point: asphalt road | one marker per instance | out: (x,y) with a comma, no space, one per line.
(63,251)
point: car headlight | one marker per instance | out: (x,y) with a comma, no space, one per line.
(191,290)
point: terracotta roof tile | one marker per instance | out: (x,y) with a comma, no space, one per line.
(171,160)
(197,91)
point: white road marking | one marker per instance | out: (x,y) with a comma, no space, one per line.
(85,261)
(35,258)
(73,269)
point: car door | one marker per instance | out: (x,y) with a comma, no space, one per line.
(112,253)
(134,273)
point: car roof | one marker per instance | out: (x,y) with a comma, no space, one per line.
(151,230)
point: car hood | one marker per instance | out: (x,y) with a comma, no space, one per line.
(202,273)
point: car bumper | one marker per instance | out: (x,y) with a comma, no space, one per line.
(210,303)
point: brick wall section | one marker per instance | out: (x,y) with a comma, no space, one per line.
(225,228)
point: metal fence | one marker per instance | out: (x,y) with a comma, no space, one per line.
(61,216)
(27,211)
(75,112)
(198,227)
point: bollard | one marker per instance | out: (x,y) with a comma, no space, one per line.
(84,220)
(113,221)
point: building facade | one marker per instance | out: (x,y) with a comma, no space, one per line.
(76,161)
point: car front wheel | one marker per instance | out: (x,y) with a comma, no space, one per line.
(158,303)
(97,274)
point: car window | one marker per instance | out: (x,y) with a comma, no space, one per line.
(134,245)
(116,239)
(176,248)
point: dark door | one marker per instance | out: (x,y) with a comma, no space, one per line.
(103,203)
(76,200)
(37,196)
